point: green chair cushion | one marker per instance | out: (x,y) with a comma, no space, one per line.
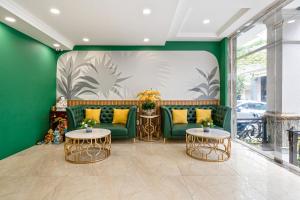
(116,129)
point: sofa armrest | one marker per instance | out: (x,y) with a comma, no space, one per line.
(227,119)
(222,117)
(74,118)
(131,122)
(166,121)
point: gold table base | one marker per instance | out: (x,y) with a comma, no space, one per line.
(149,130)
(81,151)
(208,149)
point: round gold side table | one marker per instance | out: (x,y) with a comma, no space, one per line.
(149,128)
(81,147)
(213,146)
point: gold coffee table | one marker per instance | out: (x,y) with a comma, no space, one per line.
(214,146)
(82,147)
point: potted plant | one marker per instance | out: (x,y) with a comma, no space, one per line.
(148,107)
(88,124)
(208,123)
(149,97)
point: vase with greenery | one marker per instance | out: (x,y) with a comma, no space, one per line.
(88,124)
(148,107)
(149,97)
(208,123)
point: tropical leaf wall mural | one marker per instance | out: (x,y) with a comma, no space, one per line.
(94,75)
(210,87)
(69,82)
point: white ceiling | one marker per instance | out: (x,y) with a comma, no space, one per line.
(121,22)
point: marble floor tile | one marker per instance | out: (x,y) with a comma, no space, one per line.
(144,171)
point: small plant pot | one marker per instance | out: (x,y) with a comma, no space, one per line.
(206,129)
(149,112)
(88,129)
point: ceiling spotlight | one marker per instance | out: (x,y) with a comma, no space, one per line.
(291,21)
(206,21)
(55,11)
(146,11)
(248,24)
(85,39)
(10,19)
(56,45)
(146,39)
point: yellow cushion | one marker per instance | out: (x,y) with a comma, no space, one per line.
(93,114)
(203,114)
(120,116)
(179,116)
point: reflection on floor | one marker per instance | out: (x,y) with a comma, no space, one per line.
(268,150)
(144,171)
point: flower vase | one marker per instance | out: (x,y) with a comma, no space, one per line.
(206,129)
(88,129)
(149,112)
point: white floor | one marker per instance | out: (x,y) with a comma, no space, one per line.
(144,171)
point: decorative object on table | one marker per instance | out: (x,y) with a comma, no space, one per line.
(148,107)
(149,96)
(56,139)
(207,124)
(60,131)
(61,104)
(56,117)
(49,137)
(149,128)
(58,135)
(88,124)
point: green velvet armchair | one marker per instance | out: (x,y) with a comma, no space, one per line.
(221,115)
(76,115)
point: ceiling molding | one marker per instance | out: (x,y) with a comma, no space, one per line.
(36,23)
(232,20)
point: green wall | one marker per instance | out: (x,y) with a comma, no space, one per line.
(218,49)
(27,91)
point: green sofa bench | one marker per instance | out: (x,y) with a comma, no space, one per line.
(76,115)
(221,115)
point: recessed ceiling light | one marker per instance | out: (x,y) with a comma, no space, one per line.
(146,39)
(10,19)
(85,39)
(56,45)
(248,24)
(291,21)
(146,11)
(206,21)
(55,11)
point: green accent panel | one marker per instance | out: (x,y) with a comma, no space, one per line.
(223,62)
(27,79)
(212,47)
